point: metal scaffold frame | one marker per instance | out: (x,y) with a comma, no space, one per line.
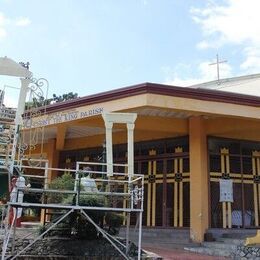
(129,197)
(133,196)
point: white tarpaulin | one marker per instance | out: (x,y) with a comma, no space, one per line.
(226,190)
(89,184)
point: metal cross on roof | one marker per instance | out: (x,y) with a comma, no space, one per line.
(217,63)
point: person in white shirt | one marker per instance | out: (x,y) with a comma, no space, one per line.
(16,196)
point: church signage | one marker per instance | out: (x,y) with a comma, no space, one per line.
(61,117)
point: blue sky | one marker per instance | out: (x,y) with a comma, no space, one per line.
(90,46)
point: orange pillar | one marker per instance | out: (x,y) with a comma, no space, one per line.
(199,198)
(53,160)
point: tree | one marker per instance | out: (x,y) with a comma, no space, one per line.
(38,102)
(64,97)
(41,101)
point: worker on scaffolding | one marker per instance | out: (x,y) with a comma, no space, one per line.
(16,196)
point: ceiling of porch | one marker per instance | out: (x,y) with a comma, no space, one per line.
(92,126)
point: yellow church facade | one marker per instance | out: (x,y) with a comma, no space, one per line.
(188,143)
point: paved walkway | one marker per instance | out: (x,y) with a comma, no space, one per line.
(179,254)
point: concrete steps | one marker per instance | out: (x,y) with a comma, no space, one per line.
(220,245)
(165,238)
(224,246)
(209,251)
(231,233)
(234,241)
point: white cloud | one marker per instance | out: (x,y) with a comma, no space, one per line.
(205,73)
(17,22)
(252,61)
(3,22)
(64,44)
(9,85)
(145,2)
(11,101)
(203,45)
(22,21)
(235,22)
(3,19)
(183,82)
(2,33)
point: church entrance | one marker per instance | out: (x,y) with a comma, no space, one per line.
(238,163)
(165,165)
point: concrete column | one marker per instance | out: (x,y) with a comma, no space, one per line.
(130,149)
(61,136)
(120,118)
(199,197)
(18,119)
(53,160)
(109,148)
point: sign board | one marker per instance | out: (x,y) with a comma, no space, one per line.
(61,117)
(226,190)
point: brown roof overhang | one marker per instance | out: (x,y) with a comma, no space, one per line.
(160,89)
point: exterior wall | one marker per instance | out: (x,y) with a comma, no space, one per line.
(235,128)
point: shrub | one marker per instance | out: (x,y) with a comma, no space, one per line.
(79,224)
(114,222)
(65,182)
(76,224)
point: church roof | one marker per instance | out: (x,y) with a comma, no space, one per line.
(159,89)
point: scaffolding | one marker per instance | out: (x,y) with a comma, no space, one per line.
(121,195)
(121,190)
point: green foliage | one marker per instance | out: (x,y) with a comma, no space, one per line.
(38,102)
(77,225)
(3,211)
(41,229)
(92,200)
(65,182)
(84,229)
(3,198)
(65,97)
(41,101)
(114,222)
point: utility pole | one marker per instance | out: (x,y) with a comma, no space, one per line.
(217,63)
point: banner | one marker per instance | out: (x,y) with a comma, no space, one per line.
(226,190)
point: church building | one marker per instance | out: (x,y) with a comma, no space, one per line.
(198,149)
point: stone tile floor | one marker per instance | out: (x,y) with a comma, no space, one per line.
(180,254)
